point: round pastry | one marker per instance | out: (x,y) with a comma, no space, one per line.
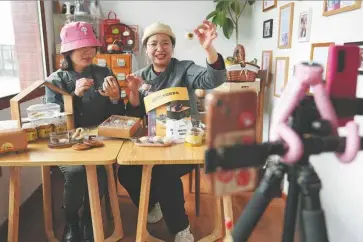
(93,143)
(157,139)
(81,147)
(143,139)
(189,35)
(166,140)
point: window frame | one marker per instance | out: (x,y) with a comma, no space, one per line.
(5,101)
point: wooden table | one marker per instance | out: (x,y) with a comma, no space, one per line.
(132,154)
(38,154)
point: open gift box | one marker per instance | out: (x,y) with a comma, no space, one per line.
(117,126)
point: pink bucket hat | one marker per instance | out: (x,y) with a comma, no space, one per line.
(77,35)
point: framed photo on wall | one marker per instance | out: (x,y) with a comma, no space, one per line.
(268,4)
(266,65)
(135,28)
(267,28)
(319,53)
(360,45)
(332,7)
(304,26)
(281,75)
(286,18)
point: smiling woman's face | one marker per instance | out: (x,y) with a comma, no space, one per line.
(83,57)
(159,49)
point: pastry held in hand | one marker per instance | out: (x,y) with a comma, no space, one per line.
(189,35)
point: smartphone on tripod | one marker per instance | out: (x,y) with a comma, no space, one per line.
(231,119)
(342,73)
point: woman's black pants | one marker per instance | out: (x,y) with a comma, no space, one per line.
(166,188)
(75,192)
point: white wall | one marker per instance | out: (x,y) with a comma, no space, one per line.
(183,17)
(341,195)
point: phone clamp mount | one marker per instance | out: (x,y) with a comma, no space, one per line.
(317,133)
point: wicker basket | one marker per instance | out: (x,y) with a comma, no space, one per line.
(249,70)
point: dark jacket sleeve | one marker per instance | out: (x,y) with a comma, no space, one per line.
(199,77)
(115,109)
(139,111)
(54,97)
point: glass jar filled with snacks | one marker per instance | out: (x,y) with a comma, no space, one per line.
(60,125)
(31,132)
(44,130)
(194,137)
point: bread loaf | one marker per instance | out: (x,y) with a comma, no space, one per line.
(12,140)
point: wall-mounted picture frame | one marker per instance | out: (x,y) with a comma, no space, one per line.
(281,75)
(304,25)
(268,5)
(135,29)
(286,18)
(319,53)
(360,45)
(266,65)
(267,28)
(332,7)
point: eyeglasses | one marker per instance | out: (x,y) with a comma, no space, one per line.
(163,45)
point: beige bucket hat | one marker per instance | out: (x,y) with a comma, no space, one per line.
(157,28)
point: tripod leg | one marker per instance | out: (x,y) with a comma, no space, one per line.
(258,203)
(312,216)
(291,206)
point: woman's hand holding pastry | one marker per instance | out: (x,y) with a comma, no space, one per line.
(111,89)
(206,33)
(134,83)
(83,85)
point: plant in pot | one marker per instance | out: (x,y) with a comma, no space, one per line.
(226,16)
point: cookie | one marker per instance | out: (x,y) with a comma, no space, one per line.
(93,143)
(81,147)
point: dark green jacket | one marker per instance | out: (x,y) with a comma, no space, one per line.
(181,74)
(91,109)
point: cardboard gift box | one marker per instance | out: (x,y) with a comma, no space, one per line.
(168,112)
(113,127)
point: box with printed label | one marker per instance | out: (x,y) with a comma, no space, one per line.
(168,113)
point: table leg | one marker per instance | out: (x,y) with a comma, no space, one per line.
(142,234)
(218,224)
(227,207)
(118,232)
(94,199)
(14,200)
(47,204)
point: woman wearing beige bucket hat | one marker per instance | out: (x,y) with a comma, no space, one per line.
(167,198)
(96,96)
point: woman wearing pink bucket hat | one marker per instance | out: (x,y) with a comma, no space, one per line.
(96,96)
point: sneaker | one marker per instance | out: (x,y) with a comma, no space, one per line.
(184,236)
(155,215)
